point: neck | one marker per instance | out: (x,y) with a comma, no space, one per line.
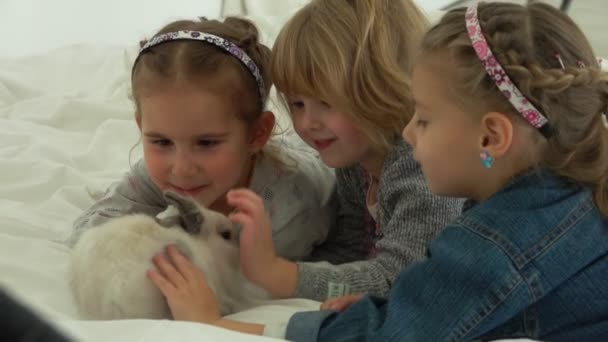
(373,163)
(498,180)
(220,204)
(491,185)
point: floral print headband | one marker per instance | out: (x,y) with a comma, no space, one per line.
(220,42)
(500,77)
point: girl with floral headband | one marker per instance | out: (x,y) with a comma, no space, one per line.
(200,90)
(510,103)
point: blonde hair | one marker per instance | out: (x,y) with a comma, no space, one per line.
(525,41)
(206,64)
(355,55)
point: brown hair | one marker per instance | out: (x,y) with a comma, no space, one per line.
(525,41)
(206,63)
(355,55)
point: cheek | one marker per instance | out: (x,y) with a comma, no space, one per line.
(425,154)
(430,150)
(346,131)
(295,120)
(156,166)
(435,164)
(298,127)
(306,138)
(227,162)
(442,154)
(221,164)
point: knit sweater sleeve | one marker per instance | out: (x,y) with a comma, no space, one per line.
(344,241)
(410,217)
(134,193)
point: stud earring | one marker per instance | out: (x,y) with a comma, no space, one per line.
(486,159)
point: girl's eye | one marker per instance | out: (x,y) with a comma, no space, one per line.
(208,143)
(421,123)
(325,104)
(296,104)
(161,142)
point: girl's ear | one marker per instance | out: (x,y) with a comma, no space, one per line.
(497,134)
(261,131)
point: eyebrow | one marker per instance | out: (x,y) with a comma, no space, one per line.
(418,103)
(202,136)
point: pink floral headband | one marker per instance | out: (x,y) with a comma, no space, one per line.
(500,77)
(212,39)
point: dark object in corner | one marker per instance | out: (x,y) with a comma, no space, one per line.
(19,323)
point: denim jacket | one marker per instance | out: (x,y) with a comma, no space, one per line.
(531,261)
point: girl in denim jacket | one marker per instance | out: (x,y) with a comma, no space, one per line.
(510,112)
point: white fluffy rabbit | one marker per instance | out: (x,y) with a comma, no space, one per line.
(109,262)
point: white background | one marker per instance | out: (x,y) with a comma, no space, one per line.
(34,26)
(31,26)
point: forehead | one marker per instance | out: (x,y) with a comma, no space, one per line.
(437,75)
(226,81)
(187,107)
(428,81)
(435,91)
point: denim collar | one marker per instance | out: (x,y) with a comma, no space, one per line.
(532,178)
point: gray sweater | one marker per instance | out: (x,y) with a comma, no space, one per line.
(410,216)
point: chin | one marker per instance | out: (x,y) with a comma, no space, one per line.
(448,192)
(205,201)
(439,189)
(435,191)
(201,200)
(337,163)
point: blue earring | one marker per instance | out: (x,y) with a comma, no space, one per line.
(486,159)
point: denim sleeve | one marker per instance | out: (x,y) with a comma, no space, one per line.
(467,287)
(304,326)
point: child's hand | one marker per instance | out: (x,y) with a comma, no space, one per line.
(258,257)
(341,303)
(184,287)
(257,248)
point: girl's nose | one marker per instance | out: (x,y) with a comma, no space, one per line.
(184,164)
(308,120)
(408,133)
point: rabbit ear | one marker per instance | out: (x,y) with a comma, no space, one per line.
(168,218)
(189,214)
